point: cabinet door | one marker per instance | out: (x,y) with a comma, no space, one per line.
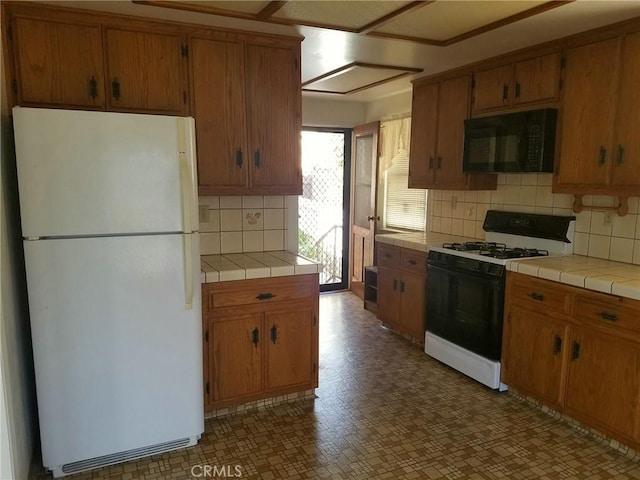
(235,356)
(289,350)
(626,170)
(388,295)
(424,122)
(58,63)
(603,380)
(412,304)
(453,109)
(219,110)
(537,79)
(146,72)
(533,354)
(588,115)
(274,119)
(492,88)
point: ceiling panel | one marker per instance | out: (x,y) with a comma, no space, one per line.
(356,76)
(444,20)
(246,6)
(347,14)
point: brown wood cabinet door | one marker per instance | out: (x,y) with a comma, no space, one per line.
(389,295)
(412,304)
(492,89)
(452,111)
(588,115)
(533,354)
(603,380)
(289,350)
(424,124)
(537,79)
(235,356)
(626,170)
(146,72)
(274,118)
(58,63)
(219,111)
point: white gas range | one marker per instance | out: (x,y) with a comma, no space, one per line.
(465,288)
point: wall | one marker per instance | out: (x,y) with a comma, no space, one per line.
(327,112)
(598,234)
(17,403)
(388,107)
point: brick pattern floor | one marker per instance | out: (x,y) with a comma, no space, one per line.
(384,410)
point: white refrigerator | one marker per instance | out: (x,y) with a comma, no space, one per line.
(108,206)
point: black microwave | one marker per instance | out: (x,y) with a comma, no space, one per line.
(514,142)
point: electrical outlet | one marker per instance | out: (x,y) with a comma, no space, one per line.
(607,218)
(203,213)
(454,202)
(470,212)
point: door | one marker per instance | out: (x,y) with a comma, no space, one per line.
(364,180)
(86,173)
(388,295)
(424,124)
(219,111)
(323,207)
(235,356)
(537,79)
(112,334)
(273,103)
(146,71)
(59,63)
(289,348)
(492,88)
(412,295)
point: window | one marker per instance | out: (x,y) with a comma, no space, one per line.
(402,208)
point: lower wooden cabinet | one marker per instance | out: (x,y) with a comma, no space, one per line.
(402,275)
(575,350)
(260,338)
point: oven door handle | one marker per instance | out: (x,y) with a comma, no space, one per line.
(457,273)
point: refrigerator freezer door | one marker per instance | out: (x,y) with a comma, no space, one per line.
(118,356)
(102,173)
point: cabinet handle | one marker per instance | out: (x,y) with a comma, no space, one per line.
(274,334)
(256,159)
(387,255)
(612,317)
(620,155)
(413,262)
(517,90)
(115,89)
(576,351)
(537,296)
(602,157)
(265,296)
(93,87)
(505,92)
(430,163)
(239,158)
(256,336)
(395,283)
(401,287)
(439,162)
(557,344)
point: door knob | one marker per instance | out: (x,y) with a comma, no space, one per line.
(371,218)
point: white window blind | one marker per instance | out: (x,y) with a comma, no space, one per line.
(403,208)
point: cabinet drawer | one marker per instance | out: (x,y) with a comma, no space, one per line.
(388,256)
(533,293)
(262,291)
(614,312)
(413,261)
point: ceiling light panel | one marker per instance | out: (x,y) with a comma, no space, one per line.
(346,14)
(353,77)
(444,20)
(248,6)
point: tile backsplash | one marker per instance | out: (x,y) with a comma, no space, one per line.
(597,234)
(242,224)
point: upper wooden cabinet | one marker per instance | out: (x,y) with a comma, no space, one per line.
(529,81)
(146,71)
(247,106)
(437,133)
(599,145)
(57,63)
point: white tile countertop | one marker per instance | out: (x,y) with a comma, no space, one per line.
(606,276)
(420,241)
(241,266)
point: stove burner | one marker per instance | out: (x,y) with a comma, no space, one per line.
(504,252)
(471,246)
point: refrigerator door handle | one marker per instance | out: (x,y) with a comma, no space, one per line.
(188,272)
(185,177)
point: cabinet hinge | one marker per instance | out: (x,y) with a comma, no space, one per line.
(207,388)
(14,86)
(563,62)
(185,50)
(315,367)
(473,82)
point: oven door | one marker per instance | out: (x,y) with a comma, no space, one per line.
(466,308)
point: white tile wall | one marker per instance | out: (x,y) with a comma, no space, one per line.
(242,224)
(597,233)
